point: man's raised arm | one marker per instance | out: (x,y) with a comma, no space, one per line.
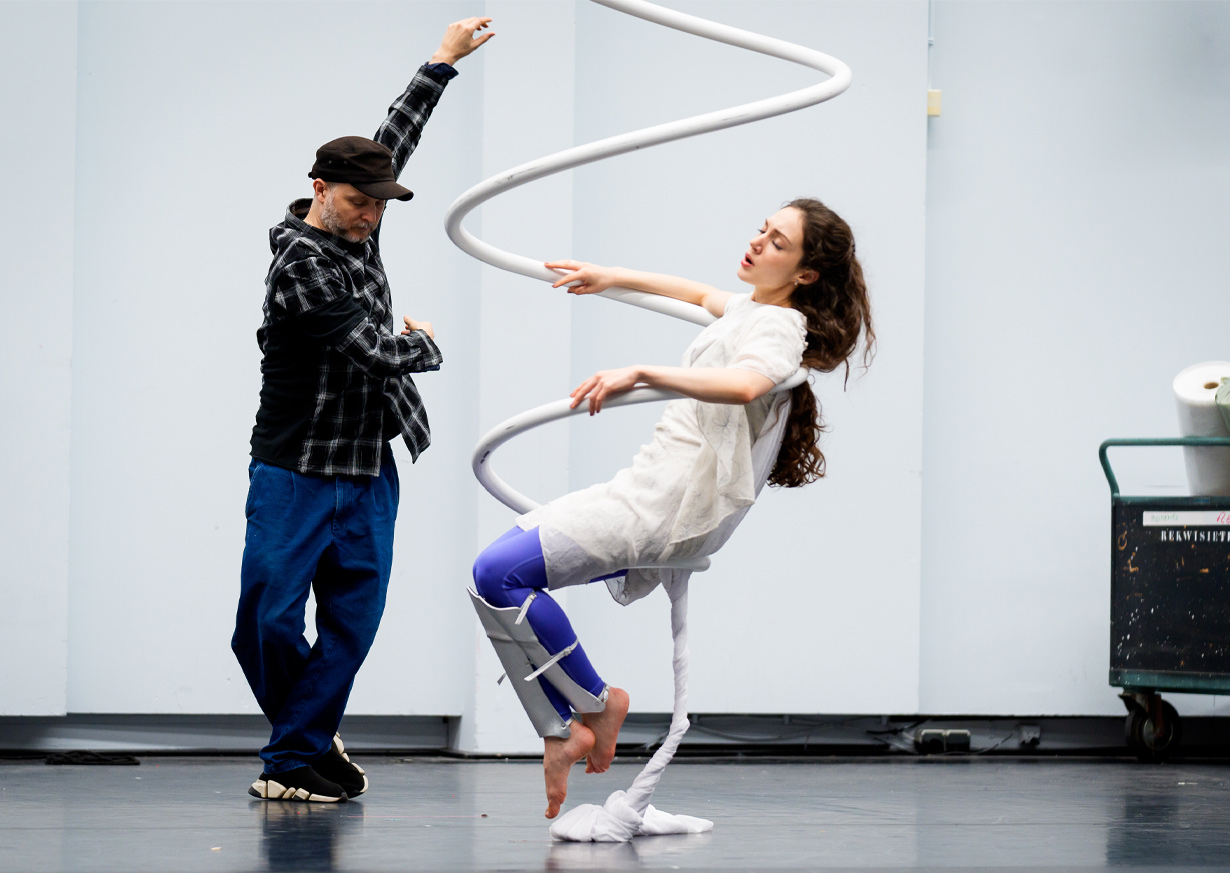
(403,127)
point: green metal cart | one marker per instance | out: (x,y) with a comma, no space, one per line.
(1169,602)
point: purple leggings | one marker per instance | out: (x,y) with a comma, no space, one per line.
(505,574)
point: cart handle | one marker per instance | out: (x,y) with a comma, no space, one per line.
(1161,441)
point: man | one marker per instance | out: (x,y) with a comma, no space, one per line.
(323,491)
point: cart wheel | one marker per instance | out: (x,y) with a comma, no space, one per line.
(1144,738)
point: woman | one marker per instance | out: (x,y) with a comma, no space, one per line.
(687,490)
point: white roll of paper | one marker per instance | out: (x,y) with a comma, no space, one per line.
(1195,392)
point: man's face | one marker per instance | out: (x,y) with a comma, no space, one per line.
(348,212)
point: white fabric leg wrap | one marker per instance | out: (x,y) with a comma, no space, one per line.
(628,814)
(525,659)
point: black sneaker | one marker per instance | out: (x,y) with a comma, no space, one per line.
(301,783)
(336,766)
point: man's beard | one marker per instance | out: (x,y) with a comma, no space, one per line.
(355,233)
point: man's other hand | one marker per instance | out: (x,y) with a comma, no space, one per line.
(424,326)
(459,40)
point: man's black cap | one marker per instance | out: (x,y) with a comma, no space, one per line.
(361,162)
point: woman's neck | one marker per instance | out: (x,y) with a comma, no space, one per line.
(773,296)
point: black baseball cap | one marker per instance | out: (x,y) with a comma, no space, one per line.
(361,162)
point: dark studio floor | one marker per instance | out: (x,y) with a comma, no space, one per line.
(190,814)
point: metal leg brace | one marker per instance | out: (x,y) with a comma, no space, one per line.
(525,659)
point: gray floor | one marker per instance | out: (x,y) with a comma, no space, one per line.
(189,814)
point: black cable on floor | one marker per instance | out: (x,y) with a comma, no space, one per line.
(97,758)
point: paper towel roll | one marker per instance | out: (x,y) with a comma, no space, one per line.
(1195,392)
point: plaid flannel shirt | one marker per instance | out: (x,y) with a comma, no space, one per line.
(329,300)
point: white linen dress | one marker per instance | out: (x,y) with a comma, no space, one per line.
(687,490)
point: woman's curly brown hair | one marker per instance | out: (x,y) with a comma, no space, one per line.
(838,313)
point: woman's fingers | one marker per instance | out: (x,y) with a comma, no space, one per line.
(594,389)
(579,393)
(603,389)
(582,278)
(574,272)
(583,389)
(568,278)
(603,384)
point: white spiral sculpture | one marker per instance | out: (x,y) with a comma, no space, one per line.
(629,814)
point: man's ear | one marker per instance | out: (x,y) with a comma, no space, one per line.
(318,187)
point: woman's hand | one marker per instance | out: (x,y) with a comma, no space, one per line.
(585,278)
(589,278)
(412,326)
(604,384)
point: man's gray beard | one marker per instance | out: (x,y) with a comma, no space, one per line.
(328,217)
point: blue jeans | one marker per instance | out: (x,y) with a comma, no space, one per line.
(332,535)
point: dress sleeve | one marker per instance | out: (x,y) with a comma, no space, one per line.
(773,345)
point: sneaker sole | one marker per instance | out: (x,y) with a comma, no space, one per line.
(274,790)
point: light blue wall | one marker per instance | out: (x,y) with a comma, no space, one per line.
(198,123)
(1076,260)
(523,327)
(37,141)
(1069,205)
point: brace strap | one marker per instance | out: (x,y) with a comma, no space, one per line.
(525,607)
(562,653)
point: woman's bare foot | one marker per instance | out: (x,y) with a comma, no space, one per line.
(558,756)
(606,725)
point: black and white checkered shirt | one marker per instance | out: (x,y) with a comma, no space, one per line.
(335,373)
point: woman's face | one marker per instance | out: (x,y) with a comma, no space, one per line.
(773,255)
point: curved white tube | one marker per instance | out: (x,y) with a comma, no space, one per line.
(838,82)
(626,815)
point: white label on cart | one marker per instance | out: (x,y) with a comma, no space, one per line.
(1213,518)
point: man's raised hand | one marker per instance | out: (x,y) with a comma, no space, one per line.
(459,40)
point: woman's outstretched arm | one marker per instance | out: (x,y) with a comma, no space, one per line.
(585,278)
(707,384)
